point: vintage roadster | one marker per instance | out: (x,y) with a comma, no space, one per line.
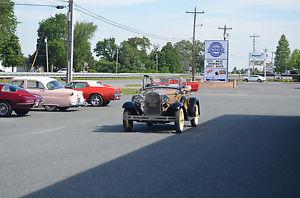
(161,104)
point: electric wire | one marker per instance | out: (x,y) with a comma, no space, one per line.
(121,26)
(101,18)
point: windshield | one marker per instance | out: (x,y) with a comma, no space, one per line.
(54,85)
(172,86)
(96,83)
(10,88)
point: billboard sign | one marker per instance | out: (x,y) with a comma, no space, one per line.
(257,58)
(216,60)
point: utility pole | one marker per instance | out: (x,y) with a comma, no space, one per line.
(254,49)
(194,34)
(225,28)
(156,58)
(265,63)
(47,61)
(272,57)
(70,41)
(254,41)
(117,59)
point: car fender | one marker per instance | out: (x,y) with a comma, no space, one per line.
(192,102)
(134,108)
(175,107)
(184,101)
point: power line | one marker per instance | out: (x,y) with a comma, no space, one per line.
(34,5)
(121,26)
(99,17)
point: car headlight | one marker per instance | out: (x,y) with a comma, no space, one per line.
(165,98)
(137,98)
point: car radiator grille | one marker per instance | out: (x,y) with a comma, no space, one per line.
(152,104)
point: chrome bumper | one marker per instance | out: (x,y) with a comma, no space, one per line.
(149,118)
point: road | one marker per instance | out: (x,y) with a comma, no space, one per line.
(247,145)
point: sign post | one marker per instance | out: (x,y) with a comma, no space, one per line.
(216,60)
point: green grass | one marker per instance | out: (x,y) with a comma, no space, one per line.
(127,91)
(281,80)
(4,80)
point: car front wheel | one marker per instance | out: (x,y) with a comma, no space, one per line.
(5,109)
(22,112)
(179,121)
(127,124)
(50,107)
(106,103)
(195,120)
(96,100)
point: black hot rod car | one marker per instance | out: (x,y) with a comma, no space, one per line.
(161,104)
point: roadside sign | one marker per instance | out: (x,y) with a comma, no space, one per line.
(216,60)
(257,58)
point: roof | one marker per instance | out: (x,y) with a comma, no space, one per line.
(42,79)
(85,81)
(92,83)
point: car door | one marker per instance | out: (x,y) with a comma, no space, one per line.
(252,78)
(37,87)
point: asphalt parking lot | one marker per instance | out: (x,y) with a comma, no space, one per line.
(247,145)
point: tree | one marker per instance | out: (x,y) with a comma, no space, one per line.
(185,48)
(106,49)
(170,59)
(295,60)
(55,30)
(133,54)
(282,55)
(83,33)
(10,50)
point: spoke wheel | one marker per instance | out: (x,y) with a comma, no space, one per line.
(96,100)
(22,112)
(127,124)
(179,121)
(195,120)
(5,109)
(50,107)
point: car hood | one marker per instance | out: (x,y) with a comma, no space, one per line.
(161,91)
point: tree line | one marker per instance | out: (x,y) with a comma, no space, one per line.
(284,59)
(135,54)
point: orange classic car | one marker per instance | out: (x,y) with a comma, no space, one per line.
(95,92)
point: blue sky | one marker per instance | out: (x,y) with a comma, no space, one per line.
(267,18)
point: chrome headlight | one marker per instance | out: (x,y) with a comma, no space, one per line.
(137,98)
(165,98)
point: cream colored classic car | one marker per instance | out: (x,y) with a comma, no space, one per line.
(55,96)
